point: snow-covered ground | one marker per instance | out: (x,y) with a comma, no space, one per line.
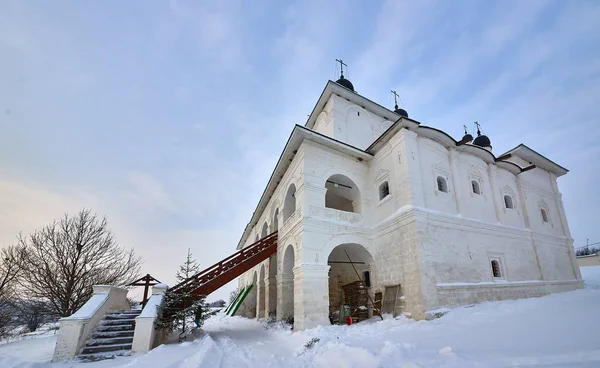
(560,330)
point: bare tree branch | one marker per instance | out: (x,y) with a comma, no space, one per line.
(65,258)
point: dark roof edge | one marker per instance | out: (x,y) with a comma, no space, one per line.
(521,145)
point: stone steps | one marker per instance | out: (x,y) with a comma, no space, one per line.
(113,336)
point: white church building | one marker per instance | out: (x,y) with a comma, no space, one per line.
(425,220)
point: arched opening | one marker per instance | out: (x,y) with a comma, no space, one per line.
(342,194)
(260,312)
(275,221)
(289,204)
(265,230)
(349,282)
(272,309)
(287,277)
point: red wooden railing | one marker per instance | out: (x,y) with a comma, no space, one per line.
(219,274)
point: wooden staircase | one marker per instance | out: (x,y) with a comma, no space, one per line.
(219,274)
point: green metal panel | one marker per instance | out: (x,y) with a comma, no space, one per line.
(237,297)
(241,300)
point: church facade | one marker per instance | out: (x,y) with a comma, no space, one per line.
(426,221)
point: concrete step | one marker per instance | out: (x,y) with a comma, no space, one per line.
(109,341)
(104,348)
(118,316)
(117,322)
(124,311)
(114,328)
(111,334)
(102,356)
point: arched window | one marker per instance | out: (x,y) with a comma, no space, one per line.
(289,203)
(508,202)
(496,269)
(342,194)
(384,190)
(475,187)
(442,185)
(544,215)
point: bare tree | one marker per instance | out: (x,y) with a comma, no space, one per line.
(65,258)
(11,265)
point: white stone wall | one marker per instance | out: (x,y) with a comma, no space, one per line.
(437,245)
(350,123)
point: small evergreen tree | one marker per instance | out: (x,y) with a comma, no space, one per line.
(183,311)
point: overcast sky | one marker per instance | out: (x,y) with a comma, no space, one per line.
(168,117)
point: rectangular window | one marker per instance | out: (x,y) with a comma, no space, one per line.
(384,190)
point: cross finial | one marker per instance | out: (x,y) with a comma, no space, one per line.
(478,131)
(465,129)
(395,99)
(342,64)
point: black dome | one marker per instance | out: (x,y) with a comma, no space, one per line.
(345,82)
(467,138)
(401,112)
(482,141)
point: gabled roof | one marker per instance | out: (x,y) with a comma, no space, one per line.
(537,159)
(332,87)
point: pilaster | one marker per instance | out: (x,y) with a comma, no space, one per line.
(311,295)
(456,179)
(409,173)
(492,172)
(285,304)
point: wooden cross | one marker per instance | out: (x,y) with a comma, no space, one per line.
(342,64)
(146,282)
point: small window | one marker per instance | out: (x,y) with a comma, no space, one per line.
(496,269)
(475,187)
(384,190)
(508,202)
(442,184)
(544,215)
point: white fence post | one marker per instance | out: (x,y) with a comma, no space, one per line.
(145,337)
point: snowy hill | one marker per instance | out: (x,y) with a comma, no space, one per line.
(561,330)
